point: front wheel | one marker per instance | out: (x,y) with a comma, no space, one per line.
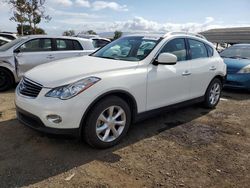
(108,122)
(213,93)
(6,80)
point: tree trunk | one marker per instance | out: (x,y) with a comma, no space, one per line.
(31,28)
(34,28)
(21,28)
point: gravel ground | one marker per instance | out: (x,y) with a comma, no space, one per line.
(190,147)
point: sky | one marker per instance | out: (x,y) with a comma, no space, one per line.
(137,15)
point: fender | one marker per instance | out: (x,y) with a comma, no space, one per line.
(112,92)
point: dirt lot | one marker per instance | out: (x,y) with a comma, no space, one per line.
(191,147)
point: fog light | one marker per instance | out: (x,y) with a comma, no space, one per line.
(54,118)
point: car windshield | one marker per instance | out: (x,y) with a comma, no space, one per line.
(128,48)
(11,44)
(242,52)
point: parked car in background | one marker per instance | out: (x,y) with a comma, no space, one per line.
(121,83)
(3,41)
(25,53)
(8,35)
(98,42)
(237,58)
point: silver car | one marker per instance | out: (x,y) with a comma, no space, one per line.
(22,54)
(3,41)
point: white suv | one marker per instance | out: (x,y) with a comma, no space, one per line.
(99,96)
(22,54)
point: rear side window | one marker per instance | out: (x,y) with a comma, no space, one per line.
(176,47)
(103,43)
(210,51)
(98,43)
(2,42)
(64,45)
(8,36)
(67,45)
(77,45)
(198,49)
(36,45)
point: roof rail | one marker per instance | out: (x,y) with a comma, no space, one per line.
(185,33)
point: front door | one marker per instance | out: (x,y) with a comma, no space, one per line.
(169,84)
(32,53)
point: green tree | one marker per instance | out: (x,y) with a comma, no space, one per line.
(19,8)
(40,31)
(27,30)
(28,11)
(91,32)
(69,33)
(35,13)
(117,35)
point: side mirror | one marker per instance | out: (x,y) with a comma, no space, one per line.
(17,51)
(166,59)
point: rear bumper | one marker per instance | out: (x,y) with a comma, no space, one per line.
(35,123)
(238,81)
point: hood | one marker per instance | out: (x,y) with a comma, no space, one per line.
(7,57)
(66,71)
(6,54)
(235,65)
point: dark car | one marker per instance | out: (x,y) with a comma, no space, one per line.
(237,58)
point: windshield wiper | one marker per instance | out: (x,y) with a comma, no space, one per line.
(237,57)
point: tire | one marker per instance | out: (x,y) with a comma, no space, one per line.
(213,94)
(6,80)
(103,132)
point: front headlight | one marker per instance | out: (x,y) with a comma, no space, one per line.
(71,90)
(245,70)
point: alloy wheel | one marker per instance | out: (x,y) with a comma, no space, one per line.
(110,123)
(214,94)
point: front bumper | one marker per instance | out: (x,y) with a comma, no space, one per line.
(35,123)
(35,111)
(238,81)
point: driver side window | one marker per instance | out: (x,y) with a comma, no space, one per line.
(176,47)
(36,45)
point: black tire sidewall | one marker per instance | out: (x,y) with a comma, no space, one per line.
(207,102)
(89,130)
(8,82)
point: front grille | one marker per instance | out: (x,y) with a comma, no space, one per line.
(29,120)
(29,88)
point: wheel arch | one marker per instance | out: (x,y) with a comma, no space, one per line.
(13,79)
(126,96)
(220,77)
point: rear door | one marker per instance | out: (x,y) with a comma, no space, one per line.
(203,67)
(32,53)
(65,48)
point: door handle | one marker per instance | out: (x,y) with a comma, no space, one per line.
(50,57)
(186,73)
(212,68)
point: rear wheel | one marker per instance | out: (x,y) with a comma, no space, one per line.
(108,122)
(213,93)
(6,80)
